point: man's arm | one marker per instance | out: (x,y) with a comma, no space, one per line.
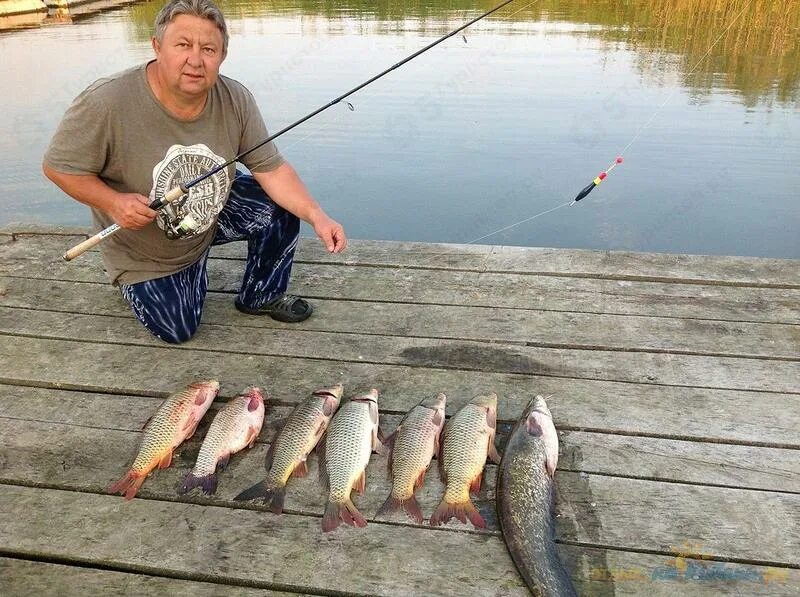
(129,210)
(285,188)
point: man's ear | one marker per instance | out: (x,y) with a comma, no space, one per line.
(156,46)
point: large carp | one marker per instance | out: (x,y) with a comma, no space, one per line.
(525,501)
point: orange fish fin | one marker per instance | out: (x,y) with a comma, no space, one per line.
(301,470)
(129,484)
(361,482)
(461,511)
(345,512)
(475,486)
(409,506)
(420,480)
(166,460)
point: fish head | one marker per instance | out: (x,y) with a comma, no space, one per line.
(537,416)
(437,404)
(256,399)
(330,398)
(487,402)
(371,399)
(206,391)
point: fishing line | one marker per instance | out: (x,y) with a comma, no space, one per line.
(588,189)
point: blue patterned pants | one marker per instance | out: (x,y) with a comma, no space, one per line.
(171,307)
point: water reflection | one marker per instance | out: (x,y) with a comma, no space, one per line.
(475,136)
(758,55)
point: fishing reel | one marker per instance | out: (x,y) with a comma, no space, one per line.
(177,226)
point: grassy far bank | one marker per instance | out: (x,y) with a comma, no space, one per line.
(758,56)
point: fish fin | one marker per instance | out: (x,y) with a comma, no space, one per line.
(550,463)
(252,436)
(345,512)
(388,442)
(190,427)
(440,460)
(420,480)
(475,486)
(462,511)
(207,482)
(361,482)
(491,419)
(270,456)
(493,454)
(166,460)
(128,485)
(321,468)
(200,399)
(409,506)
(147,422)
(378,447)
(222,462)
(301,470)
(438,418)
(273,497)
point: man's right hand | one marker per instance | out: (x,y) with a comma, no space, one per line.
(131,211)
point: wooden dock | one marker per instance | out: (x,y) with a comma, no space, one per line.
(675,384)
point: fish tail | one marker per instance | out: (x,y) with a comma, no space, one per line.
(410,506)
(461,510)
(336,513)
(129,484)
(207,482)
(272,496)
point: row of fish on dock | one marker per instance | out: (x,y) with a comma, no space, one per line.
(345,437)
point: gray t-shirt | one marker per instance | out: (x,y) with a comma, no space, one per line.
(118,130)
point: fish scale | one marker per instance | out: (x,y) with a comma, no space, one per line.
(174,421)
(235,427)
(468,441)
(288,452)
(352,435)
(413,445)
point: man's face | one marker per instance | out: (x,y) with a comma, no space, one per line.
(189,56)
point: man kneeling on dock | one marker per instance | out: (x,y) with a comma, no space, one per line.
(133,136)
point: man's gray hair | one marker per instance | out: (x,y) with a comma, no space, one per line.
(205,9)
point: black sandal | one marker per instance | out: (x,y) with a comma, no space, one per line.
(287,308)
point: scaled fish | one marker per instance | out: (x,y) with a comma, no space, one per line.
(468,440)
(288,452)
(525,501)
(174,421)
(413,445)
(351,438)
(235,427)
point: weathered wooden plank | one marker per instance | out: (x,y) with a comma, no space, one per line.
(235,545)
(465,288)
(540,328)
(757,526)
(42,453)
(23,577)
(637,367)
(481,258)
(647,515)
(578,404)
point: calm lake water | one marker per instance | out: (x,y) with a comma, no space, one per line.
(477,135)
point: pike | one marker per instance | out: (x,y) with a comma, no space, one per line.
(525,502)
(178,192)
(288,452)
(235,427)
(175,421)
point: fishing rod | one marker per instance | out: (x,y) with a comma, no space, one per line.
(188,224)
